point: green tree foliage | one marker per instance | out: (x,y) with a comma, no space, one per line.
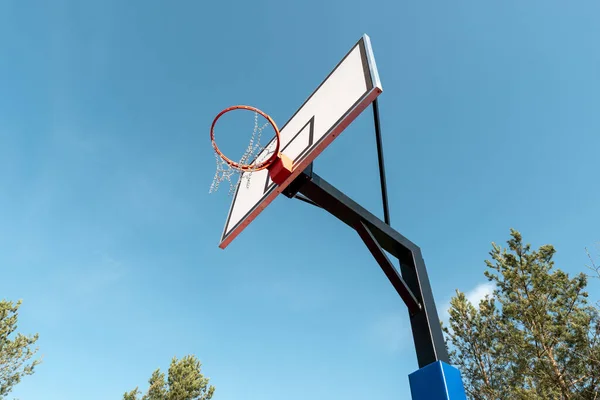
(184,382)
(16,350)
(535,337)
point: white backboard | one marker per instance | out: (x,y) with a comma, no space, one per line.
(342,96)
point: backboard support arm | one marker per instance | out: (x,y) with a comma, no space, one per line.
(427,332)
(380,161)
(388,269)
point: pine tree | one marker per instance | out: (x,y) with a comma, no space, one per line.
(184,382)
(535,337)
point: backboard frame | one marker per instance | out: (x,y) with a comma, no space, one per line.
(313,150)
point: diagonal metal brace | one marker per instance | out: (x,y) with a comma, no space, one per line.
(388,269)
(306,200)
(427,332)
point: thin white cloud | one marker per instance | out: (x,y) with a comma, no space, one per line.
(474,296)
(480,292)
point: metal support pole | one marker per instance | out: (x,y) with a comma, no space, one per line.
(427,332)
(382,180)
(414,271)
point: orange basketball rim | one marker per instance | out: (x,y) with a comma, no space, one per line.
(242,166)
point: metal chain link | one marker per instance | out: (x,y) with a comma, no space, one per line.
(224,172)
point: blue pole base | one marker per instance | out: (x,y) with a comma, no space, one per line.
(437,381)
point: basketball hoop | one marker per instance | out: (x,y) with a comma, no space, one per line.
(255,158)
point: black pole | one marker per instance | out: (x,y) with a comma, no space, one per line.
(384,197)
(427,331)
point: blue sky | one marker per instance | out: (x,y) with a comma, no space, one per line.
(107,231)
